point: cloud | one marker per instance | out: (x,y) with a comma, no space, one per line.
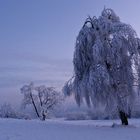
(15,73)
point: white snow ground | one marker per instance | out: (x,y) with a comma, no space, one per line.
(58,129)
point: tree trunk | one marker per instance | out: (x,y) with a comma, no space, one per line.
(43,116)
(123,117)
(34,105)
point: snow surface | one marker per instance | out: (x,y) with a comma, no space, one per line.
(59,129)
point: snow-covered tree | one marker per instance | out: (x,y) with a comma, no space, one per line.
(49,98)
(106,64)
(42,98)
(6,111)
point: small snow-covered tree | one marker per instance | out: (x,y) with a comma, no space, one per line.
(106,64)
(49,98)
(42,98)
(6,111)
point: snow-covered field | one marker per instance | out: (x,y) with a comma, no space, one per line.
(58,129)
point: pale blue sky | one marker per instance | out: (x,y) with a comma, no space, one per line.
(37,37)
